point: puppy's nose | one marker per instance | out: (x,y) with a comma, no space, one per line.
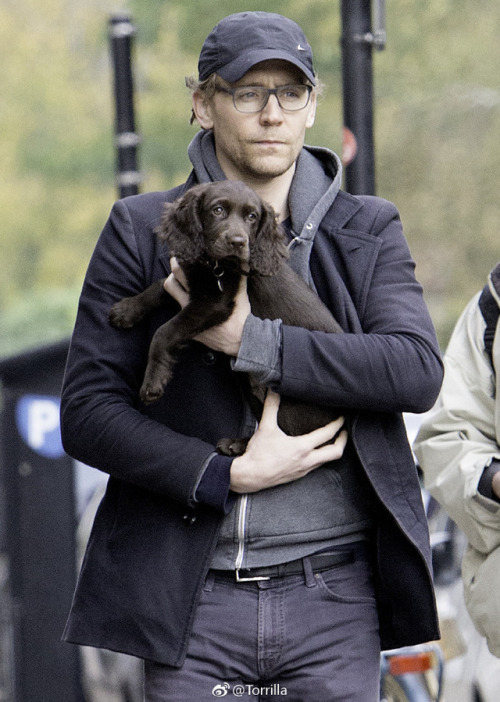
(237,241)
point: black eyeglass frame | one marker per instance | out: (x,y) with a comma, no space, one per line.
(270,91)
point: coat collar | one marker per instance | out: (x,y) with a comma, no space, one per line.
(344,258)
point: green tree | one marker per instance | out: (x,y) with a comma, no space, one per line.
(56,156)
(437,107)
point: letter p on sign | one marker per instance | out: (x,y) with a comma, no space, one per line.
(37,418)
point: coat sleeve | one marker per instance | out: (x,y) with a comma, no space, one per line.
(101,422)
(458,438)
(393,363)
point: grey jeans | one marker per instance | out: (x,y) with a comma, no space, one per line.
(301,638)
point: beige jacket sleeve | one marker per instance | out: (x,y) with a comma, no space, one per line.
(460,436)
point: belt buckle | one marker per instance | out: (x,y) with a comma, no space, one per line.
(255,578)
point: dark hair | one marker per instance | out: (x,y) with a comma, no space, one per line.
(206,87)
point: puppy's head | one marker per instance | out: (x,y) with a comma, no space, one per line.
(226,220)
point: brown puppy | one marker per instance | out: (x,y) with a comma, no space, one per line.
(219,232)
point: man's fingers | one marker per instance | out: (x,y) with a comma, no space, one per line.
(179,274)
(330,452)
(269,418)
(326,433)
(318,437)
(175,289)
(242,287)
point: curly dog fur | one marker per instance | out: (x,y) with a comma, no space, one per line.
(219,232)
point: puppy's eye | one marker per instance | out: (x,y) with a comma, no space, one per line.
(218,210)
(252,216)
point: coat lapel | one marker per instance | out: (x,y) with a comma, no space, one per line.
(344,240)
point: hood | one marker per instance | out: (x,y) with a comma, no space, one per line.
(315,186)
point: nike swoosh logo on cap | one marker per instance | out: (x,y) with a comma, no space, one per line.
(300,48)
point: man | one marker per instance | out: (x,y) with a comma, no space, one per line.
(284,570)
(458,447)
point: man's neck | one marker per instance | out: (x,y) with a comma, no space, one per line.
(275,193)
(274,190)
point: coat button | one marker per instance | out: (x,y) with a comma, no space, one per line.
(208,357)
(189,519)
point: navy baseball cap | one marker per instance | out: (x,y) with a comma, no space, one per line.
(244,39)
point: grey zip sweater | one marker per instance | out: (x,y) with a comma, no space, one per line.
(330,505)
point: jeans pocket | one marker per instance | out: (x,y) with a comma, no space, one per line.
(350,584)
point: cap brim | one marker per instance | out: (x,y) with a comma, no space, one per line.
(236,69)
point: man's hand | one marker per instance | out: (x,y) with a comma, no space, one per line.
(273,458)
(495,485)
(176,283)
(225,337)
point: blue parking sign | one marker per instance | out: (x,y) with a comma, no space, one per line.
(37,418)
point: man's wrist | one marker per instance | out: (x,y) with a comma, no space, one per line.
(260,349)
(489,483)
(213,488)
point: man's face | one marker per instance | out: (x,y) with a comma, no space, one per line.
(257,147)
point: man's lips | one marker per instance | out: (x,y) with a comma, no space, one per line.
(269,142)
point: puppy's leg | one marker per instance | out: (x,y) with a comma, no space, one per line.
(128,312)
(170,338)
(163,350)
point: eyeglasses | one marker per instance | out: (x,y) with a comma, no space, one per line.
(253,98)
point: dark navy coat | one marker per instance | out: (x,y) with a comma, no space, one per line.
(150,546)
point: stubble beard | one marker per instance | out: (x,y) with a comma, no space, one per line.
(263,168)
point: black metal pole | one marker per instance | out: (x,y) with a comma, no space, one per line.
(357,84)
(121,33)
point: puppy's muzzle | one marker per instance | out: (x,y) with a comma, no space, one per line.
(234,244)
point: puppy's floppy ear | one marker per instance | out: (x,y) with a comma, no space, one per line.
(269,250)
(181,225)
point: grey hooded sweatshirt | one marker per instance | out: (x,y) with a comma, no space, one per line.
(330,505)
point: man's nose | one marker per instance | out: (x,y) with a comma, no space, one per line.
(272,112)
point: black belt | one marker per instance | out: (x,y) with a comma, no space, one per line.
(318,561)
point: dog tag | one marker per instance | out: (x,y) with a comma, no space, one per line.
(218,273)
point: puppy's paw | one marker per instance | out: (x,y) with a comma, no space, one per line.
(232,447)
(155,380)
(124,314)
(151,393)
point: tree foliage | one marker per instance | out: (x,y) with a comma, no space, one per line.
(437,108)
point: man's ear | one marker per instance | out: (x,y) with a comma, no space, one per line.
(202,110)
(312,110)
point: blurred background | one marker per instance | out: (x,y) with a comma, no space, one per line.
(437,128)
(437,156)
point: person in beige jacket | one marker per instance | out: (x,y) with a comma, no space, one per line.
(458,449)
